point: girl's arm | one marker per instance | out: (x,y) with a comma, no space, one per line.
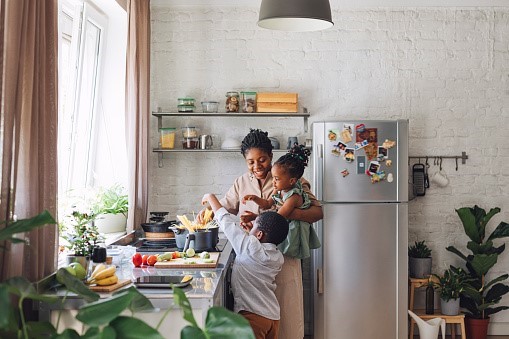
(263,203)
(290,205)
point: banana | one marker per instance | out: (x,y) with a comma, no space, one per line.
(106,273)
(98,268)
(107,281)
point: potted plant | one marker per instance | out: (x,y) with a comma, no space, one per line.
(481,295)
(419,260)
(111,207)
(450,285)
(81,235)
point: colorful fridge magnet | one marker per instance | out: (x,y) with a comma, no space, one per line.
(349,155)
(345,172)
(349,128)
(389,144)
(383,153)
(390,177)
(371,151)
(377,177)
(333,135)
(346,137)
(388,163)
(359,145)
(374,167)
(360,128)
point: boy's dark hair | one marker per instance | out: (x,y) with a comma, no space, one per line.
(295,160)
(274,226)
(256,138)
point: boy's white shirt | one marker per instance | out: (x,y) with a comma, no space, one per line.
(254,271)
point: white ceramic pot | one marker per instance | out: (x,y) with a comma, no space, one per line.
(451,307)
(111,223)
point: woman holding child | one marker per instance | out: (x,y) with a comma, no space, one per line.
(258,181)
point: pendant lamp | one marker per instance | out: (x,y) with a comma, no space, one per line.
(295,15)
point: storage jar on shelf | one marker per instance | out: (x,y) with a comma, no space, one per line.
(190,137)
(232,102)
(248,102)
(167,138)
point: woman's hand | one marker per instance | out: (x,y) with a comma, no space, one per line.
(248,197)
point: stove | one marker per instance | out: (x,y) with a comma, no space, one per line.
(168,245)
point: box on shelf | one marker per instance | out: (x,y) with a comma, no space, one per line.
(277,102)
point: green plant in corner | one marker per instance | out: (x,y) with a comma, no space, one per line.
(480,295)
(419,250)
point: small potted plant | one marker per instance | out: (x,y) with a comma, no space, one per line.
(81,235)
(481,296)
(419,260)
(450,285)
(111,207)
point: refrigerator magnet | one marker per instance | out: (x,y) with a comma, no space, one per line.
(383,153)
(389,144)
(361,164)
(388,163)
(349,155)
(374,167)
(346,135)
(333,134)
(359,145)
(336,151)
(371,151)
(345,172)
(349,128)
(360,128)
(377,177)
(390,177)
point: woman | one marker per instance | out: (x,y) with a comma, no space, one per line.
(257,151)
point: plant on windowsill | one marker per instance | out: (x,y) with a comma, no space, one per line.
(481,295)
(419,261)
(111,207)
(81,234)
(450,285)
(104,317)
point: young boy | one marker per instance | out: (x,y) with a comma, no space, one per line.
(257,263)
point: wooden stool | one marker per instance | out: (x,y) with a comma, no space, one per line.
(449,319)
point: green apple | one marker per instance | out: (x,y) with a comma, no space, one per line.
(79,270)
(71,270)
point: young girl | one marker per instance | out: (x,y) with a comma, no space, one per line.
(287,196)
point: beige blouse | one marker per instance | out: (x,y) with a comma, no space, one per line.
(248,184)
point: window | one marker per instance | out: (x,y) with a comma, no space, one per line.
(91,140)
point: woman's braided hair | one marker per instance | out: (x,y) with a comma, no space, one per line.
(256,138)
(295,160)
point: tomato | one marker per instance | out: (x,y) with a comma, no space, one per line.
(137,259)
(144,259)
(151,260)
(174,255)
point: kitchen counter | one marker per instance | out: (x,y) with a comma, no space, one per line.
(209,287)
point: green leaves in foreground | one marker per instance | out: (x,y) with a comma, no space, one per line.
(220,323)
(25,225)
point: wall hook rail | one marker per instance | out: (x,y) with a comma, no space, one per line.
(437,159)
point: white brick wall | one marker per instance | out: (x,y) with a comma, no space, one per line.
(444,69)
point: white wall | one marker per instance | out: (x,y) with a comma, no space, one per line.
(444,69)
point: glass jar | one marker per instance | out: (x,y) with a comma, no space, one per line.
(167,138)
(185,108)
(232,101)
(189,132)
(186,101)
(190,143)
(248,102)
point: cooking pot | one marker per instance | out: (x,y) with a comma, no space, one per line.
(180,235)
(157,230)
(202,240)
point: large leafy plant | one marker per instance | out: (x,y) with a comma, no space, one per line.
(480,295)
(111,201)
(102,316)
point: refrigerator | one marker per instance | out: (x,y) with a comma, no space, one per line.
(360,275)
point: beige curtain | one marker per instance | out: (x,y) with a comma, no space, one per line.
(137,109)
(29,110)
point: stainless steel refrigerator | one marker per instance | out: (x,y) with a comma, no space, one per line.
(360,272)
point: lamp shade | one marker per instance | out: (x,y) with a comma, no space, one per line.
(295,15)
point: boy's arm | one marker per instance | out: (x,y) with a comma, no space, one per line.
(263,203)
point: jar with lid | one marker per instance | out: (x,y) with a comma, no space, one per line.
(186,101)
(167,138)
(232,101)
(248,102)
(190,137)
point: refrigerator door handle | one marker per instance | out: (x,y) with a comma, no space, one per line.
(320,150)
(319,281)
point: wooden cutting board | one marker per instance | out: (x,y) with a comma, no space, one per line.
(110,288)
(186,263)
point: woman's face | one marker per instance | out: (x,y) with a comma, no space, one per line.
(258,162)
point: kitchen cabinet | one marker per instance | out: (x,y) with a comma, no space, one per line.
(160,115)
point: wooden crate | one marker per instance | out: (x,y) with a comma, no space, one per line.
(277,102)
